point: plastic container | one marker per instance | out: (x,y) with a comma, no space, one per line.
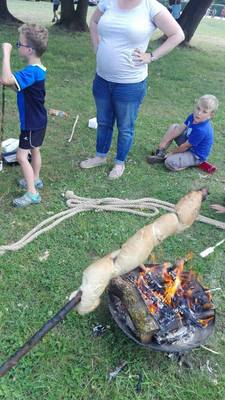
(92,123)
(10,145)
(58,113)
(207,167)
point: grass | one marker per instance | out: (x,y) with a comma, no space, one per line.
(69,364)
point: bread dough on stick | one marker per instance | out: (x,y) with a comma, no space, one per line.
(136,250)
(188,207)
(95,279)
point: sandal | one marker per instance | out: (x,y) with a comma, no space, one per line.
(157,157)
(117,171)
(27,199)
(38,183)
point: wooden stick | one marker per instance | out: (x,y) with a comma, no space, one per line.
(2,126)
(213,290)
(73,129)
(208,349)
(51,323)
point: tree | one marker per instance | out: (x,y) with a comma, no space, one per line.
(191,16)
(74,19)
(5,15)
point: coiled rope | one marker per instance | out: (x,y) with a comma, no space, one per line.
(78,204)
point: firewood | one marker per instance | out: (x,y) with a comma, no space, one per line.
(145,324)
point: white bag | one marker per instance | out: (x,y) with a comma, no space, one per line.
(10,145)
(9,149)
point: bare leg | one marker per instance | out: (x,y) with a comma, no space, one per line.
(169,136)
(27,169)
(159,155)
(36,161)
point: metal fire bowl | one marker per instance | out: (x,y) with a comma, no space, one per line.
(200,335)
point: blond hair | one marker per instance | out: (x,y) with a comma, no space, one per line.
(36,36)
(209,102)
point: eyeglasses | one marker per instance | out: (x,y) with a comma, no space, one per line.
(18,45)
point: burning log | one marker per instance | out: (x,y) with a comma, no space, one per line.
(165,304)
(144,323)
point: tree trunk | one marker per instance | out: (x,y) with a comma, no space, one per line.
(74,19)
(5,15)
(191,17)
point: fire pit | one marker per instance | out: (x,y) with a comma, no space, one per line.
(162,307)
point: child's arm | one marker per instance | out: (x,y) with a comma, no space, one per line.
(218,208)
(184,146)
(181,149)
(7,78)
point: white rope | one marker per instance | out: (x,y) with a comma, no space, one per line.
(78,204)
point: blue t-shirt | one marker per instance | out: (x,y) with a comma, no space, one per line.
(200,136)
(30,83)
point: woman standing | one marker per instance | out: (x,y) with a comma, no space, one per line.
(120,32)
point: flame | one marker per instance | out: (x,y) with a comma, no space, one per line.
(171,290)
(205,322)
(167,285)
(173,285)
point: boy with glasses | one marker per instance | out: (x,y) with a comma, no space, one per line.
(30,86)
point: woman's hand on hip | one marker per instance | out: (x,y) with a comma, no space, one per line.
(140,58)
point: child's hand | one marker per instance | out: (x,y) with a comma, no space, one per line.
(1,81)
(218,208)
(140,58)
(6,48)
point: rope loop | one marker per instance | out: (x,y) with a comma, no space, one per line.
(146,207)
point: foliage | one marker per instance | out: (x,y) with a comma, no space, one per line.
(69,364)
(220,2)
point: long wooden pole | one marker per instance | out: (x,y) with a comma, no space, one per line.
(51,323)
(2,126)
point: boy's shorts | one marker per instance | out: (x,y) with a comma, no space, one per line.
(55,7)
(31,139)
(179,161)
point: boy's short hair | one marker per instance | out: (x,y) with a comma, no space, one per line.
(209,102)
(36,36)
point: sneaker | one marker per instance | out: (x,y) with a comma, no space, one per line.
(157,157)
(93,162)
(38,183)
(27,199)
(117,171)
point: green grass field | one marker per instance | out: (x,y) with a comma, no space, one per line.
(69,364)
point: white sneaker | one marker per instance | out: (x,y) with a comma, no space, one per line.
(93,162)
(117,171)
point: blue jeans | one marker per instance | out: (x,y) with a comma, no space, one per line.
(116,102)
